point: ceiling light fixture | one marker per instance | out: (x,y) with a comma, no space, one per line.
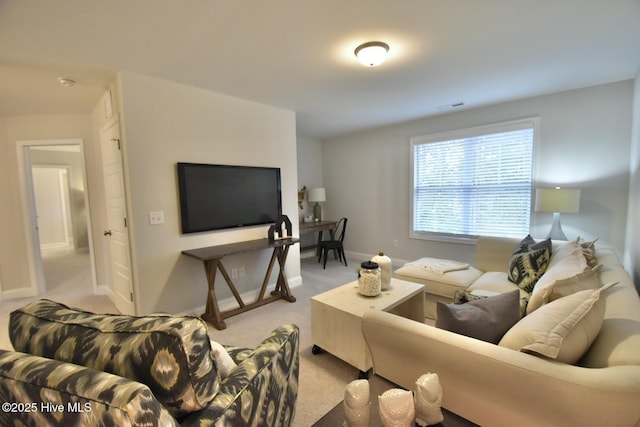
(66,82)
(371,54)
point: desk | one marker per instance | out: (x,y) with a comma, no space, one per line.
(212,258)
(318,227)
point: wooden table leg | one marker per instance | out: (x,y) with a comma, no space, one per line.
(212,312)
(282,286)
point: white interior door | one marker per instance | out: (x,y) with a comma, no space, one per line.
(117,233)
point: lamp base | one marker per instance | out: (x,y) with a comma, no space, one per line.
(317,212)
(556,232)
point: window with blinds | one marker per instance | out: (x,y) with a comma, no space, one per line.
(473,182)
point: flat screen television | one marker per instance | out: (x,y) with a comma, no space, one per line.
(214,197)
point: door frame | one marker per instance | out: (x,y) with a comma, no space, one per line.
(34,257)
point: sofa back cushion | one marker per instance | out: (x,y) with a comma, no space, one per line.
(494,253)
(171,355)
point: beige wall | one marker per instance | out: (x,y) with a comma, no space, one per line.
(164,123)
(584,141)
(309,174)
(632,258)
(14,254)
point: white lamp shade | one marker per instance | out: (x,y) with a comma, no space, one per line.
(317,195)
(561,200)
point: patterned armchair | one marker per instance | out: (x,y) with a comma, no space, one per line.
(74,368)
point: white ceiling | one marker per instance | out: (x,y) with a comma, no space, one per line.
(298,54)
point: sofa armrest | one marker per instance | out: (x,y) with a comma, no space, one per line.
(39,391)
(265,384)
(492,385)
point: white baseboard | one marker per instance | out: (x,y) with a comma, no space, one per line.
(395,262)
(17,294)
(103,290)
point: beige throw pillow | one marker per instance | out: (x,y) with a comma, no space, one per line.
(563,329)
(568,267)
(563,250)
(588,279)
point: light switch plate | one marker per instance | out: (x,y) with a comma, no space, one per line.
(156,218)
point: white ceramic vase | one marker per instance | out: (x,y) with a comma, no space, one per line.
(384,262)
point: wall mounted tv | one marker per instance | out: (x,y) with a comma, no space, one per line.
(214,197)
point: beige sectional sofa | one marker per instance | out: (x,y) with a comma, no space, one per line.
(495,385)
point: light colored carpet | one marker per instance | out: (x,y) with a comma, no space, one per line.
(323,377)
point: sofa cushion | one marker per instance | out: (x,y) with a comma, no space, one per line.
(171,355)
(486,319)
(553,290)
(528,262)
(437,284)
(563,329)
(570,266)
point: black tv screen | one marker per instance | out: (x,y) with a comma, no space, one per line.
(214,197)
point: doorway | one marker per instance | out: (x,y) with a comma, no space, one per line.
(56,198)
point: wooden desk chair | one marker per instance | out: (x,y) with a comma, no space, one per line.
(335,244)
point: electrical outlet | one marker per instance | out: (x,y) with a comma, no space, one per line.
(156,218)
(395,243)
(241,271)
(234,273)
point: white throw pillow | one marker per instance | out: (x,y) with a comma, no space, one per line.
(563,250)
(224,362)
(563,329)
(569,266)
(588,279)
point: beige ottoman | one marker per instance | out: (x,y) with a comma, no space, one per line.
(439,284)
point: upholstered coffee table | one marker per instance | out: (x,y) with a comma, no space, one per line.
(336,318)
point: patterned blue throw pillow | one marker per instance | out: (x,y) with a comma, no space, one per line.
(528,262)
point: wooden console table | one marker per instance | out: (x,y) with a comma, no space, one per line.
(212,258)
(318,227)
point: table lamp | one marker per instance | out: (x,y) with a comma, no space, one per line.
(317,195)
(557,200)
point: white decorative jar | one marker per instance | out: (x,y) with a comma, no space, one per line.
(384,262)
(369,282)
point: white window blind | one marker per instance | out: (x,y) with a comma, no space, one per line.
(474,182)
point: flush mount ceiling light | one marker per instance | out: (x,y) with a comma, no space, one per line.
(371,54)
(66,82)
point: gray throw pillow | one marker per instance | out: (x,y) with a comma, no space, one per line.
(486,319)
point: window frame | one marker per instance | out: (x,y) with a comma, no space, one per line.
(469,132)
